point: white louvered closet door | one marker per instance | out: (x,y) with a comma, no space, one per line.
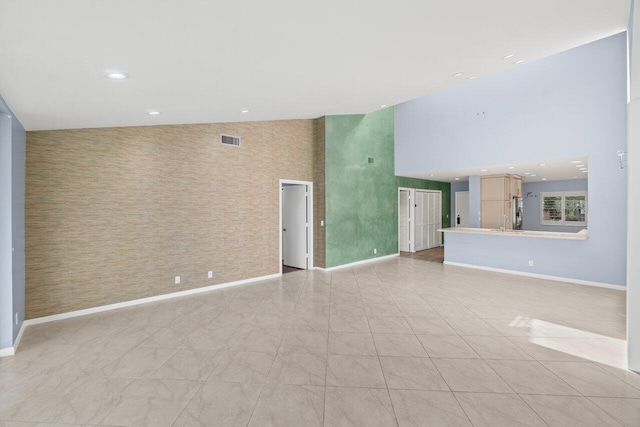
(404,221)
(422,224)
(428,219)
(434,219)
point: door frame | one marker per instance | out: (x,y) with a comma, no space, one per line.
(309,223)
(412,211)
(412,214)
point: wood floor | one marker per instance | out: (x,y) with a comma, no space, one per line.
(287,269)
(431,255)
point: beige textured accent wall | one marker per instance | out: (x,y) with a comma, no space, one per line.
(319,233)
(114,214)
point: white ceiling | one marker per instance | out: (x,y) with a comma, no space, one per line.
(543,170)
(204,61)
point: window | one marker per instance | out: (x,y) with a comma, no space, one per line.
(564,208)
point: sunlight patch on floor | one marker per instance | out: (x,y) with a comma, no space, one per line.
(579,343)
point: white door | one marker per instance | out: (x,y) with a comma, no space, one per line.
(294,226)
(428,216)
(404,220)
(422,223)
(462,209)
(435,219)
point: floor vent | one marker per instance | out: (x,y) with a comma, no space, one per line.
(230,140)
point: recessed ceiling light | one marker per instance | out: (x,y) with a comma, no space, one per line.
(527,173)
(117,75)
(511,167)
(511,55)
(519,61)
(544,179)
(576,161)
(457,179)
(457,74)
(383,106)
(483,170)
(542,164)
(533,174)
(153,113)
(471,77)
(245,111)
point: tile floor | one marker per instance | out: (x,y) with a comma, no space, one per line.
(398,342)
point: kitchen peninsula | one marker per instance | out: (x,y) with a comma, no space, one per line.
(563,256)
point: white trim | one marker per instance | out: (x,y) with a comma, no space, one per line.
(540,276)
(7,351)
(19,337)
(563,195)
(109,307)
(309,229)
(412,213)
(10,351)
(353,264)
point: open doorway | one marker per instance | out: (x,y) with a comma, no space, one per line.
(462,209)
(296,225)
(419,218)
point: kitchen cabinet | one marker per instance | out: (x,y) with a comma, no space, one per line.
(494,187)
(493,212)
(496,193)
(516,186)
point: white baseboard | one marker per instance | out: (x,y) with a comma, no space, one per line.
(353,264)
(540,276)
(10,351)
(7,351)
(19,337)
(102,308)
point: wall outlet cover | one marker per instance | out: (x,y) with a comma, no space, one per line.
(177,280)
(210,274)
(530,263)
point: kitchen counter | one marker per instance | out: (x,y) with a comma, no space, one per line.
(580,235)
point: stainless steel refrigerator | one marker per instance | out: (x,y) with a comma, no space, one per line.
(517,213)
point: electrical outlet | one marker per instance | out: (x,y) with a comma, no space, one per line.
(375,251)
(177,280)
(530,263)
(210,275)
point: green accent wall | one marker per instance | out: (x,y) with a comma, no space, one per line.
(362,197)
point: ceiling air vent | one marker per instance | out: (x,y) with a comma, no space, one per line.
(230,140)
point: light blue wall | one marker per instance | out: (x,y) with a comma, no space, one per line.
(6,286)
(18,156)
(567,105)
(12,186)
(531,203)
(456,186)
(474,201)
(513,253)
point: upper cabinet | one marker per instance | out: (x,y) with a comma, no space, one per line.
(516,186)
(495,187)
